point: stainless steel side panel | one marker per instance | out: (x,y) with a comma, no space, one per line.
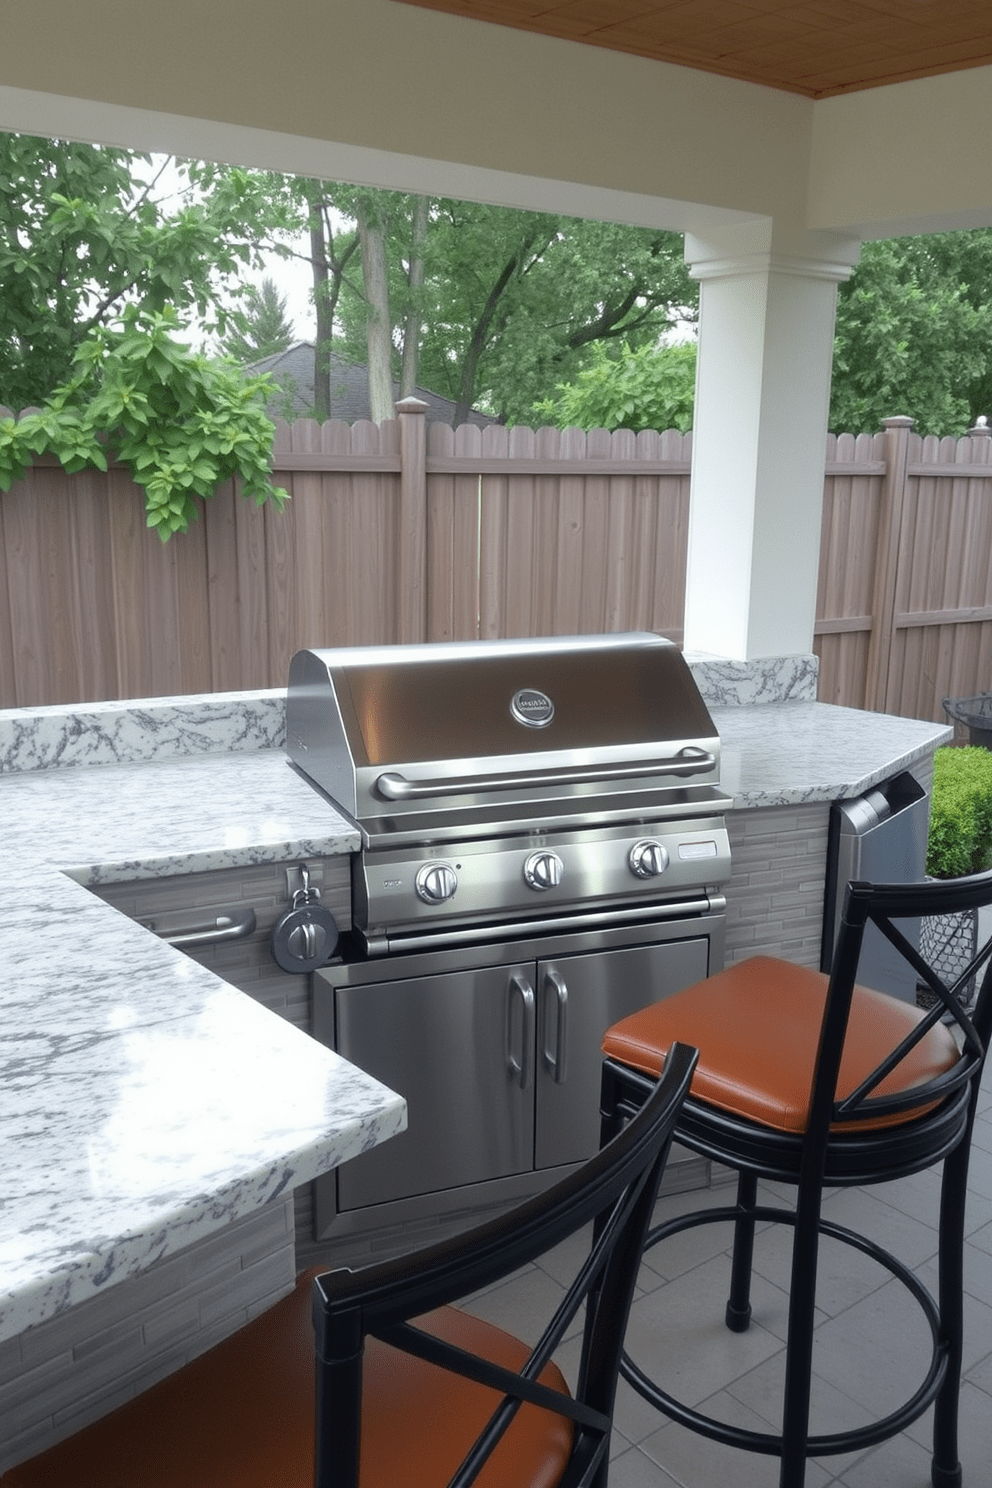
(880,837)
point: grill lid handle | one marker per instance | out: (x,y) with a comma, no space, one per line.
(689,761)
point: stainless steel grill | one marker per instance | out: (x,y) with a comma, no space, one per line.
(513,778)
(543,850)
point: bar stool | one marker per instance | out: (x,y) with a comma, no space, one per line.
(813,1081)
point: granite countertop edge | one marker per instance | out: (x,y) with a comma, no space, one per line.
(801,753)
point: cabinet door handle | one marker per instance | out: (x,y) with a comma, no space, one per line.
(557,1062)
(522,1067)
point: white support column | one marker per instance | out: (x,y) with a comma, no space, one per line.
(766,325)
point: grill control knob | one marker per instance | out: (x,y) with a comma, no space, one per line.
(543,870)
(648,859)
(435,883)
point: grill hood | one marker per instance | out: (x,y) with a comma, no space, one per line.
(482,734)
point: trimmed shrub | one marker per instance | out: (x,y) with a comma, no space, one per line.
(960,839)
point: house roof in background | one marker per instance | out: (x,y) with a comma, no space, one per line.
(293,371)
(818,48)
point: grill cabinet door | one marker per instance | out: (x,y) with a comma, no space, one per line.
(578,999)
(459,1047)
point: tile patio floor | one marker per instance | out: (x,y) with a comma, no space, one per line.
(871,1340)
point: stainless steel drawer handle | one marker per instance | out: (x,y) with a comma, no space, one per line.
(689,761)
(191,928)
(521,1067)
(556,1060)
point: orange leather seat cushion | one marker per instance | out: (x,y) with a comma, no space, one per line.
(242,1416)
(757,1027)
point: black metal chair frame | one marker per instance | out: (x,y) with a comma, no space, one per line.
(827,1155)
(615,1193)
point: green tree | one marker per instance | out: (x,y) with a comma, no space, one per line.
(414,320)
(485,305)
(652,388)
(85,231)
(509,303)
(914,334)
(331,253)
(596,285)
(372,215)
(386,301)
(259,327)
(310,231)
(180,422)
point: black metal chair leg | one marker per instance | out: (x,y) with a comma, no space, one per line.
(799,1346)
(945,1469)
(738,1313)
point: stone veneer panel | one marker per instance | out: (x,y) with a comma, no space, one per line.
(776,889)
(58,1376)
(775,893)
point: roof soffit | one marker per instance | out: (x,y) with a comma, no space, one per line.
(817,48)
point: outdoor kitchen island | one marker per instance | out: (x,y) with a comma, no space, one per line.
(153,1121)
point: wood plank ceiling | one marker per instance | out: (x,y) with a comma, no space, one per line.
(814,47)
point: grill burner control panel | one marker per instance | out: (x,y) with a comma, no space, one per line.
(488,879)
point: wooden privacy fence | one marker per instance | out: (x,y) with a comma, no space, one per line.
(395,532)
(904,606)
(406,532)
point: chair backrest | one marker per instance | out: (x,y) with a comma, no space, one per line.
(613,1194)
(889,906)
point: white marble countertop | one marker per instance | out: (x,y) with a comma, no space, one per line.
(791,753)
(144,1103)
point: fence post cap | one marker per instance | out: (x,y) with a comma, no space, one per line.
(412,405)
(980,429)
(901,421)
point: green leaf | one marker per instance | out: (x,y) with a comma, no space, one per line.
(153,398)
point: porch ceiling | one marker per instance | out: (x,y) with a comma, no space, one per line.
(817,48)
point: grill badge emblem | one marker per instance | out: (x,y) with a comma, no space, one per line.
(532,708)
